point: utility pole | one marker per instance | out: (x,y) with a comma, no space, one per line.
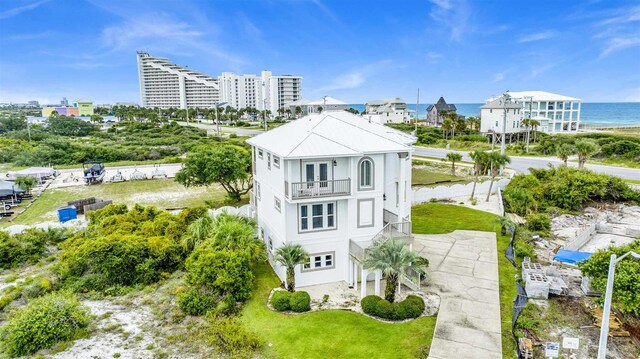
(187,108)
(415,120)
(505,97)
(606,309)
(28,129)
(264,113)
(217,122)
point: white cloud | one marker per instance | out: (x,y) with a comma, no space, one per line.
(453,16)
(498,77)
(20,9)
(434,57)
(626,15)
(355,78)
(160,31)
(620,43)
(538,36)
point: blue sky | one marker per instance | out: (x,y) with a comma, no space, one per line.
(466,51)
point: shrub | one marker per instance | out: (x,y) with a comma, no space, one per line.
(222,272)
(626,288)
(44,322)
(281,300)
(412,307)
(524,249)
(566,188)
(194,302)
(300,301)
(539,222)
(117,259)
(26,247)
(232,338)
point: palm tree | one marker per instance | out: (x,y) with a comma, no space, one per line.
(504,223)
(394,259)
(237,233)
(497,161)
(585,148)
(534,125)
(453,157)
(564,151)
(298,111)
(479,158)
(442,115)
(290,255)
(197,232)
(447,125)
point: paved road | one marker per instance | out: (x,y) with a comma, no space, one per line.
(522,164)
(212,129)
(464,273)
(519,164)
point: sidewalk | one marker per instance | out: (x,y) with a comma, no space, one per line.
(464,272)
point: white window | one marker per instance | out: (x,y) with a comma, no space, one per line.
(268,160)
(260,153)
(319,261)
(276,203)
(365,174)
(257,185)
(317,216)
(270,244)
(276,161)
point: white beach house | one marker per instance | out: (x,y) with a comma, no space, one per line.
(388,110)
(334,183)
(492,116)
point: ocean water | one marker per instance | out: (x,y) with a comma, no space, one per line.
(593,114)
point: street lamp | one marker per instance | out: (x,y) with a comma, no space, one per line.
(604,329)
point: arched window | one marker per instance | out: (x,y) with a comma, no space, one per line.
(365,174)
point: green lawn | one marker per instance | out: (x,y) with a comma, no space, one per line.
(330,333)
(433,218)
(425,177)
(162,193)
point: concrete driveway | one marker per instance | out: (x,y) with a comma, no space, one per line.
(464,272)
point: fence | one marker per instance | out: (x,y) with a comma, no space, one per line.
(81,203)
(582,238)
(245,211)
(98,205)
(425,194)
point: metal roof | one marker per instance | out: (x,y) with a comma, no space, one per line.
(541,96)
(499,104)
(332,134)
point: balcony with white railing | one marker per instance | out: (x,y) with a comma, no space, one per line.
(317,189)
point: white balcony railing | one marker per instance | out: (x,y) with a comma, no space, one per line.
(317,189)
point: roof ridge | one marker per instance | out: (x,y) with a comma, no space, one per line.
(364,129)
(305,137)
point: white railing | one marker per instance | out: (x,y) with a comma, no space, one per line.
(315,189)
(396,231)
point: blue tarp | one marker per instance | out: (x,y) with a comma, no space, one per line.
(571,257)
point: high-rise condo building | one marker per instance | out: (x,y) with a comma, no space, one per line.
(280,90)
(163,84)
(241,91)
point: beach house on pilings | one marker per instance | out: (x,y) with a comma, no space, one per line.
(336,184)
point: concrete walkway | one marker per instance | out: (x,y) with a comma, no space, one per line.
(464,272)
